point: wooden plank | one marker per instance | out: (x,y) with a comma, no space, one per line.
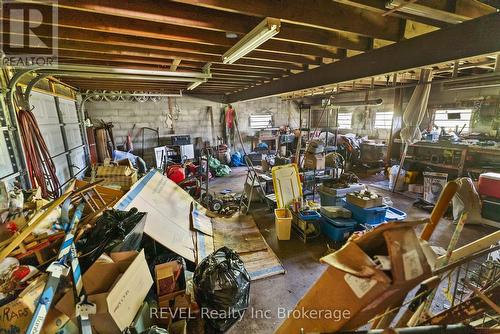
(240,233)
(174,65)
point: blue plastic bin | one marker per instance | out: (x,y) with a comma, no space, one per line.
(340,222)
(336,233)
(309,215)
(331,200)
(370,216)
(393,214)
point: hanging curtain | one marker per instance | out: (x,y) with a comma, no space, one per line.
(415,111)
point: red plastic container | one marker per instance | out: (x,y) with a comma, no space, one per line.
(489,185)
(176,173)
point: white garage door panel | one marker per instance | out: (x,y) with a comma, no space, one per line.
(5,161)
(78,160)
(62,169)
(73,135)
(68,111)
(44,108)
(53,138)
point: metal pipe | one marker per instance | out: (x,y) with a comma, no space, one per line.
(116,70)
(90,75)
(132,94)
(368,103)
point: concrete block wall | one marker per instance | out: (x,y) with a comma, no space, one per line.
(362,118)
(190,117)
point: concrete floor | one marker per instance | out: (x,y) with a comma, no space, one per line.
(301,261)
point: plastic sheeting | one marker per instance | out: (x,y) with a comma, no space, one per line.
(416,108)
(114,231)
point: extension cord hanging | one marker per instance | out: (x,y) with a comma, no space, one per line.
(41,168)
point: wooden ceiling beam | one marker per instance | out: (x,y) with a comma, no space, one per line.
(160,54)
(476,37)
(467,8)
(102,53)
(82,36)
(323,14)
(190,66)
(188,23)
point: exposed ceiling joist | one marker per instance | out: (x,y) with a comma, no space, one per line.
(471,38)
(177,22)
(175,64)
(324,14)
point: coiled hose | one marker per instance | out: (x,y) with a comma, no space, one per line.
(41,168)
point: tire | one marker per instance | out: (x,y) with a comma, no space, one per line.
(216,205)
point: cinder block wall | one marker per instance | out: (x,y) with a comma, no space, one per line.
(190,116)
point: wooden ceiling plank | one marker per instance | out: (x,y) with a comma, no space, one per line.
(475,37)
(324,14)
(211,24)
(175,64)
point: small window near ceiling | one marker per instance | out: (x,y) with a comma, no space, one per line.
(383,119)
(261,121)
(345,120)
(450,119)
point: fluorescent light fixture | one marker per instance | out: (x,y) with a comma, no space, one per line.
(264,31)
(480,81)
(195,84)
(425,11)
(206,70)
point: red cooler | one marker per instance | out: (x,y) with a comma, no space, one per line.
(489,185)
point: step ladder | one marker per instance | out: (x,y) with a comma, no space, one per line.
(252,179)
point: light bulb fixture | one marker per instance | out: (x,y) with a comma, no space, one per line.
(264,31)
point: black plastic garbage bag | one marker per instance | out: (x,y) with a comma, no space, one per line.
(114,231)
(155,330)
(222,288)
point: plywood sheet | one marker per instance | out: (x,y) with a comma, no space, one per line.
(241,234)
(169,210)
(238,233)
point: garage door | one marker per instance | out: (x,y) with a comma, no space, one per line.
(58,121)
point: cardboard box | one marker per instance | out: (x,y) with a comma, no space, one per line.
(354,288)
(16,315)
(434,183)
(118,285)
(167,275)
(142,320)
(314,161)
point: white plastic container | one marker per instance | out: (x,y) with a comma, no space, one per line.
(393,173)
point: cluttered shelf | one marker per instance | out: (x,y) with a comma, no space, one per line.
(432,163)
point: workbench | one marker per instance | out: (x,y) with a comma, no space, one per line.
(455,158)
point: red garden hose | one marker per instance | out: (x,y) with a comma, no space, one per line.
(41,168)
